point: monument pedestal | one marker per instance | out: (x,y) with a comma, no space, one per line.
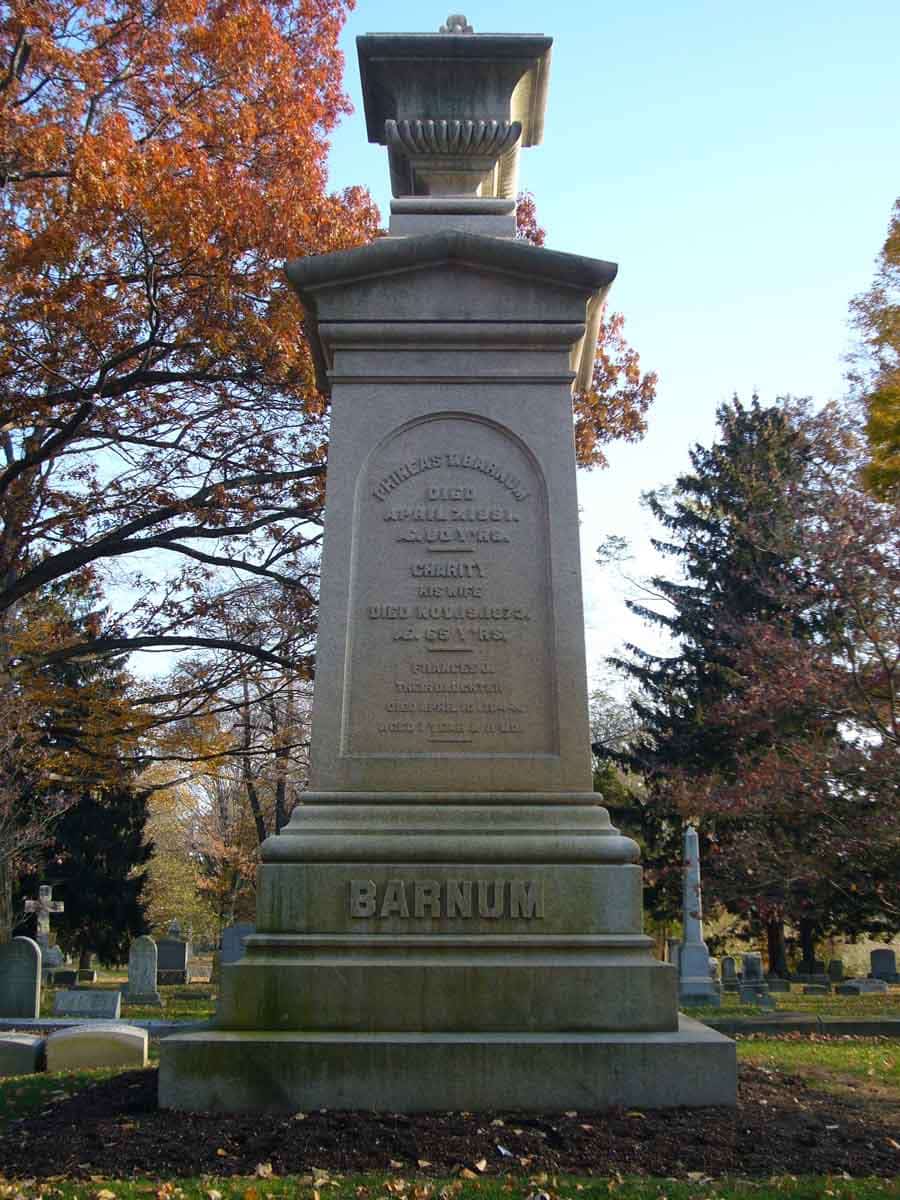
(450,921)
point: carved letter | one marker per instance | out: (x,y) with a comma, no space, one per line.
(394,903)
(459,898)
(526,898)
(494,909)
(427,896)
(362,898)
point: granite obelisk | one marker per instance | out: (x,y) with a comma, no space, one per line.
(450,921)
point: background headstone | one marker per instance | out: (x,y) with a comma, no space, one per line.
(861,987)
(65,978)
(729,974)
(752,968)
(20,1054)
(97,1046)
(883,965)
(172,961)
(695,986)
(836,970)
(233,941)
(105,1005)
(142,968)
(20,979)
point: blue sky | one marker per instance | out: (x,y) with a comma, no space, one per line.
(738,161)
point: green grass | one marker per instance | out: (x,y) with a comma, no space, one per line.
(180,1002)
(885,1005)
(875,1060)
(21,1094)
(320,1186)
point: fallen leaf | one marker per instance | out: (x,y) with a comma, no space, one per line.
(465,1173)
(263,1170)
(212,1194)
(481,1165)
(423,1162)
(220,1152)
(396,1165)
(634,1113)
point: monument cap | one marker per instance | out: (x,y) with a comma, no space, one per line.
(454,108)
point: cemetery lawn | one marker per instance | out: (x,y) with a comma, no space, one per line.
(848,1007)
(806,1107)
(396,1187)
(837,1062)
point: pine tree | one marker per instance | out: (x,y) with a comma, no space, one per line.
(94,865)
(733,530)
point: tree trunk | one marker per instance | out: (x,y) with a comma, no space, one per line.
(777,951)
(807,946)
(6,909)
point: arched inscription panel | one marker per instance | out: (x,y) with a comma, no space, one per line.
(451,646)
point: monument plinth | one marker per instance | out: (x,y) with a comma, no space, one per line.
(450,920)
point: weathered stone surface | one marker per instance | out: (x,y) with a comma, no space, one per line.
(173,961)
(20,1054)
(286,1072)
(449,915)
(97,1045)
(883,965)
(696,984)
(816,989)
(20,978)
(142,969)
(861,987)
(233,941)
(102,1005)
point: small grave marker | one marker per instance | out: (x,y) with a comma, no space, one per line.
(20,979)
(97,1005)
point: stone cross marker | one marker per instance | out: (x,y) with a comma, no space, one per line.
(450,915)
(20,979)
(44,906)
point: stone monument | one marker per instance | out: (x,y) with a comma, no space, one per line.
(449,920)
(142,973)
(696,983)
(51,956)
(20,979)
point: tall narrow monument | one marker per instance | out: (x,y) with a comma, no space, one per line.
(450,921)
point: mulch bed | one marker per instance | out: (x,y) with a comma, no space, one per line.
(782,1125)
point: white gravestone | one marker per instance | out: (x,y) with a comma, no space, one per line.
(696,985)
(450,914)
(20,979)
(97,1045)
(142,967)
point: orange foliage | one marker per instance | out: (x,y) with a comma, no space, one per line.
(615,407)
(158,163)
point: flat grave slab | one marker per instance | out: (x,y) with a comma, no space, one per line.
(100,1005)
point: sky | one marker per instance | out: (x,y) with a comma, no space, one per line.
(739,162)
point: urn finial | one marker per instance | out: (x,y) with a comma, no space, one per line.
(456,23)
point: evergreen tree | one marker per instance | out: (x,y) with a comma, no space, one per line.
(94,864)
(737,531)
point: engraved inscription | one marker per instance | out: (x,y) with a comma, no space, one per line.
(450,647)
(519,899)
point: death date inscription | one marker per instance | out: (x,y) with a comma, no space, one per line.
(451,630)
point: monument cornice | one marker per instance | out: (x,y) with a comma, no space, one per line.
(312,275)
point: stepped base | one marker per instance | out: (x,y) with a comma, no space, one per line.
(227,1071)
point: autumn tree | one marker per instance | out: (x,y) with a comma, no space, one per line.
(615,406)
(876,370)
(775,715)
(158,409)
